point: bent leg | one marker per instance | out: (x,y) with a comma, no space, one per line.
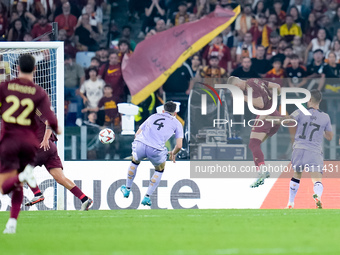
(60,178)
(255,146)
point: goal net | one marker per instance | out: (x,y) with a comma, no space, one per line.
(49,75)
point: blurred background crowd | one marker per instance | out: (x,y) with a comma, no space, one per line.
(298,40)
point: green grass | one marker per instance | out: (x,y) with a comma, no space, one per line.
(177,232)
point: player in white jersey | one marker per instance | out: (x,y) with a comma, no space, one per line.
(307,149)
(150,142)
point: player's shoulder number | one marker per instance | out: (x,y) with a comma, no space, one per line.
(22,119)
(159,123)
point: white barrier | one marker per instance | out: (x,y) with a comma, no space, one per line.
(101,181)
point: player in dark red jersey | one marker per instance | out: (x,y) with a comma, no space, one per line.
(20,98)
(262,100)
(47,155)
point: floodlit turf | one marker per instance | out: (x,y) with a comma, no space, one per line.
(178,232)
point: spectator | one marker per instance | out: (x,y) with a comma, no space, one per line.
(91,91)
(331,10)
(103,55)
(69,49)
(86,36)
(294,12)
(277,73)
(111,73)
(314,70)
(182,15)
(245,70)
(318,8)
(202,8)
(66,20)
(126,34)
(46,8)
(196,62)
(260,31)
(94,147)
(17,32)
(213,70)
(332,75)
(320,42)
(160,26)
(221,51)
(155,10)
(124,48)
(246,49)
(108,103)
(94,20)
(96,10)
(259,8)
(278,11)
(273,22)
(229,38)
(41,27)
(299,48)
(74,10)
(311,29)
(244,21)
(296,73)
(302,8)
(3,21)
(336,21)
(260,64)
(27,18)
(336,50)
(95,62)
(73,77)
(28,37)
(273,47)
(290,29)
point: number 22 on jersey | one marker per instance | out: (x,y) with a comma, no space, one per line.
(22,119)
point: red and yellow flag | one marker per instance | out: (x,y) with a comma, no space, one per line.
(156,58)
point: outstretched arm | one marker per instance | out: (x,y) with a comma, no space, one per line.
(178,147)
(45,142)
(272,85)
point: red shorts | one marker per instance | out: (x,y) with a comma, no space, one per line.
(17,151)
(268,128)
(50,158)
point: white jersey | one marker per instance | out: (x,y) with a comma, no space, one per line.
(158,129)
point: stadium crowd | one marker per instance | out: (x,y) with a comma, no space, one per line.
(294,39)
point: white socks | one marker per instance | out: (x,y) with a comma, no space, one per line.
(155,179)
(293,188)
(131,174)
(318,188)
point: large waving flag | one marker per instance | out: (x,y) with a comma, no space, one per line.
(156,58)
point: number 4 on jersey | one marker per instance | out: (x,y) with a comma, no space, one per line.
(158,123)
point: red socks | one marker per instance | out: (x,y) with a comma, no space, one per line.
(79,194)
(255,147)
(36,191)
(17,197)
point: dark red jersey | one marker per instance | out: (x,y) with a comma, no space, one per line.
(20,99)
(260,89)
(41,128)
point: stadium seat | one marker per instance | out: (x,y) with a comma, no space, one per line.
(83,58)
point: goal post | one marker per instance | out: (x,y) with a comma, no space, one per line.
(49,74)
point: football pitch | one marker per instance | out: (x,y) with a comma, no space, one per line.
(177,232)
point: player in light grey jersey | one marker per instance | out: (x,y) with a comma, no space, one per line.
(150,142)
(307,149)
